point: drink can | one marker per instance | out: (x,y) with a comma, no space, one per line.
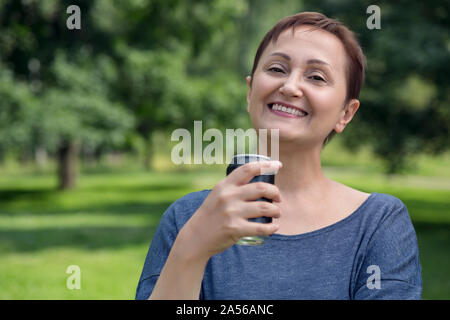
(269,177)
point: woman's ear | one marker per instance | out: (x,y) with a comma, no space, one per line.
(249,88)
(347,115)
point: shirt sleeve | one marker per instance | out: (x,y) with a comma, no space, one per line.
(391,268)
(160,247)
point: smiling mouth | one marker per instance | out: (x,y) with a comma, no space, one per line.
(286,111)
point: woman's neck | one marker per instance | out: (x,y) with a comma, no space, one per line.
(301,174)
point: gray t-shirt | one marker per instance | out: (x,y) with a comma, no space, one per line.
(371,254)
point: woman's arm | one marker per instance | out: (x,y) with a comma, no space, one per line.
(182,275)
(219,222)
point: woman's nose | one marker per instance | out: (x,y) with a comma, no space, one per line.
(291,87)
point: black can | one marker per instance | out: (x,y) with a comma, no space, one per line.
(239,160)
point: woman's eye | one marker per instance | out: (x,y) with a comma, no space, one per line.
(317,78)
(275,69)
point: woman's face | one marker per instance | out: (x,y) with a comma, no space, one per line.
(305,71)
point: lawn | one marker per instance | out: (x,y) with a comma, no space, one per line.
(105,226)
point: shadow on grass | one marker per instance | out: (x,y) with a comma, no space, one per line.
(11,195)
(434,241)
(19,240)
(41,194)
(87,238)
(123,208)
(436,209)
(434,251)
(47,201)
(15,194)
(159,187)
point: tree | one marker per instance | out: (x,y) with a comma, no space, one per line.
(16,107)
(77,111)
(161,64)
(405,101)
(63,98)
(168,67)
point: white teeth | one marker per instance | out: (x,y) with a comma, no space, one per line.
(281,108)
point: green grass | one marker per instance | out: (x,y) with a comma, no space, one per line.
(105,226)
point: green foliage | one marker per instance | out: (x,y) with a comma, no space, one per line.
(16,106)
(78,108)
(405,101)
(169,72)
(156,65)
(59,87)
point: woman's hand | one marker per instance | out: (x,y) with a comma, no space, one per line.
(222,219)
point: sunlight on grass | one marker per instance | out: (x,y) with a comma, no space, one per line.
(105,274)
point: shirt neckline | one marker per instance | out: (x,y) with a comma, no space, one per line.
(278,236)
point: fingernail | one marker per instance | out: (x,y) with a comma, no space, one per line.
(271,168)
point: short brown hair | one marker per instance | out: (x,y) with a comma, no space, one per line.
(356,60)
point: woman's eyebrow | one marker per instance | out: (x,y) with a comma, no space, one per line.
(281,54)
(318,61)
(309,61)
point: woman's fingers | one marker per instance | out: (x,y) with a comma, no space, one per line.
(246,172)
(255,190)
(223,217)
(255,209)
(258,229)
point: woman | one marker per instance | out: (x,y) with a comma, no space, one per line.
(328,241)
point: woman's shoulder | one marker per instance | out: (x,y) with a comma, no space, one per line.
(383,215)
(192,200)
(373,208)
(184,207)
(381,208)
(375,199)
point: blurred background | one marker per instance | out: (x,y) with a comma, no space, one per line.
(86,117)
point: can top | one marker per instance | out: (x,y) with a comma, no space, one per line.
(244,156)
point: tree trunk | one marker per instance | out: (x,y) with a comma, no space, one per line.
(67,164)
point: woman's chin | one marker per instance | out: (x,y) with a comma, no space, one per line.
(282,133)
